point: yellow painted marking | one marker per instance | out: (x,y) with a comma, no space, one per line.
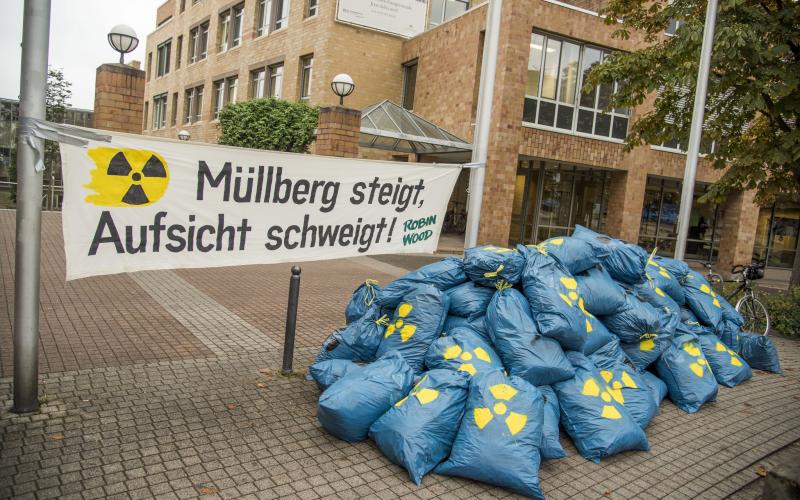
(400,403)
(611,413)
(468,367)
(404,309)
(515,422)
(606,397)
(647,345)
(452,352)
(426,395)
(607,375)
(503,391)
(482,354)
(628,381)
(482,417)
(407,332)
(500,408)
(590,387)
(566,299)
(466,356)
(569,283)
(697,369)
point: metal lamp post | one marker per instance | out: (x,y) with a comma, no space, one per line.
(342,85)
(123,39)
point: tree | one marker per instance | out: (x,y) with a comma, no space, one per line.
(269,124)
(57,96)
(753,98)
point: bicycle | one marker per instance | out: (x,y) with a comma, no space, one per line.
(714,279)
(755,314)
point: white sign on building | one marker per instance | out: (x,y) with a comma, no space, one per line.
(399,17)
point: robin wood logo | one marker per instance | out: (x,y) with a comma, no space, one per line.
(127,177)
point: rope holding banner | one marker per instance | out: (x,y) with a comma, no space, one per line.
(29,129)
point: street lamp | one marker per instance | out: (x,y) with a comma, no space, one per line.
(342,85)
(184,135)
(123,39)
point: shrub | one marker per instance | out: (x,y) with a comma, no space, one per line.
(784,311)
(269,124)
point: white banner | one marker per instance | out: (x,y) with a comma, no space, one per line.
(399,17)
(138,203)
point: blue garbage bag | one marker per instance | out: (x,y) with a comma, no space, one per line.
(418,431)
(626,385)
(633,320)
(702,299)
(599,424)
(364,298)
(657,386)
(477,323)
(646,350)
(678,269)
(687,374)
(598,337)
(555,301)
(487,265)
(668,309)
(469,299)
(729,369)
(550,448)
(759,352)
(729,334)
(325,373)
(499,437)
(625,263)
(351,405)
(445,274)
(418,321)
(575,254)
(463,349)
(358,341)
(661,278)
(524,352)
(601,294)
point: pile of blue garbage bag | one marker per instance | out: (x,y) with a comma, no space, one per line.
(471,367)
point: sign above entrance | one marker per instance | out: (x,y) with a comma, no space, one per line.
(133,203)
(405,18)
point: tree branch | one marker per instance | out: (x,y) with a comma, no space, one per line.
(776,118)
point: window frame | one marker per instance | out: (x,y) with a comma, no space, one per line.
(163,52)
(575,102)
(273,75)
(312,8)
(254,83)
(306,62)
(178,52)
(224,91)
(173,120)
(198,39)
(160,111)
(443,19)
(406,70)
(193,104)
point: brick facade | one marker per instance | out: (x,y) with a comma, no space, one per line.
(338,132)
(118,96)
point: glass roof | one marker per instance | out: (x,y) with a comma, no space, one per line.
(386,125)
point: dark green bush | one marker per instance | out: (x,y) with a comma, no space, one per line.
(269,124)
(784,311)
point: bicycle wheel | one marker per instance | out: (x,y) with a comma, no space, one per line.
(756,317)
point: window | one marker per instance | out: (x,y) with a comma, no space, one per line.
(258,80)
(263,13)
(178,52)
(552,92)
(276,80)
(162,59)
(306,67)
(409,84)
(223,31)
(273,15)
(224,92)
(281,14)
(444,10)
(144,116)
(183,5)
(777,233)
(311,8)
(159,111)
(174,118)
(193,104)
(149,65)
(198,43)
(229,33)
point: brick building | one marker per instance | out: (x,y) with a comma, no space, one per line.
(556,155)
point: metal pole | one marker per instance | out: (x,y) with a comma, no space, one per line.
(696,133)
(33,83)
(291,321)
(480,142)
(52,190)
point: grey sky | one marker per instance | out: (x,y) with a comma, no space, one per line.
(78,42)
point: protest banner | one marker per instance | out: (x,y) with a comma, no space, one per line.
(136,203)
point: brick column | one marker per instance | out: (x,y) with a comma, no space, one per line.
(119,98)
(338,132)
(737,230)
(625,200)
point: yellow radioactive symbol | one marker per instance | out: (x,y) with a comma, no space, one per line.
(127,177)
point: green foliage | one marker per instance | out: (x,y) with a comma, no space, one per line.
(269,124)
(784,311)
(755,73)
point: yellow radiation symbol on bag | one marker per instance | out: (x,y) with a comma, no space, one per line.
(127,177)
(468,357)
(424,395)
(615,384)
(699,365)
(735,361)
(406,330)
(490,248)
(514,421)
(661,269)
(647,342)
(572,298)
(607,393)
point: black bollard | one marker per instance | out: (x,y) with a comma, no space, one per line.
(291,321)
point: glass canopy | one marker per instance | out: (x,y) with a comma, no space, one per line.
(386,125)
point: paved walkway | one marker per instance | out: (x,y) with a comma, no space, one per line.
(165,384)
